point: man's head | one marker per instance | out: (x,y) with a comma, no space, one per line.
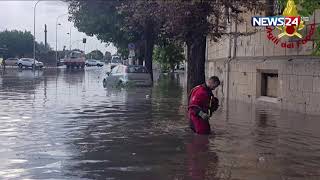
(213,82)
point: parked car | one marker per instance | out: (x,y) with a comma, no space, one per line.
(11,61)
(93,62)
(75,59)
(29,62)
(128,75)
(116,60)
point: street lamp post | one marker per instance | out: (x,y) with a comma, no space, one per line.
(57,24)
(34,32)
(57,35)
(70,37)
(69,33)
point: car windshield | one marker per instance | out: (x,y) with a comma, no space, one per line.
(136,69)
(75,55)
(115,60)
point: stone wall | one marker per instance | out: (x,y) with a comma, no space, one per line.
(298,84)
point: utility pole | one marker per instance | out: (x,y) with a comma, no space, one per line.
(70,38)
(58,24)
(34,31)
(45,37)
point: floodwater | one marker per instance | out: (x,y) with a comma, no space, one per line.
(56,124)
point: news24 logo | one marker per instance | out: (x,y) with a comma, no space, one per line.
(276,21)
(288,24)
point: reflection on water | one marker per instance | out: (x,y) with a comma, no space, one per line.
(64,125)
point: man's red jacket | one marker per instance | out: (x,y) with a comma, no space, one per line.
(200,100)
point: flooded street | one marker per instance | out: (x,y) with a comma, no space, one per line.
(57,124)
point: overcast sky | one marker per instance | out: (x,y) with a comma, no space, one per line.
(19,15)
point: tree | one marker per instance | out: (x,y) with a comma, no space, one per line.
(192,21)
(123,52)
(96,54)
(20,43)
(119,22)
(17,43)
(145,18)
(107,56)
(102,19)
(41,48)
(168,55)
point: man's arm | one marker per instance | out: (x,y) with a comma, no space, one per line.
(197,101)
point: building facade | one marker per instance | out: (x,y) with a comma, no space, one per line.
(255,69)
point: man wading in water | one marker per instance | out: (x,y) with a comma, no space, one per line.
(202,104)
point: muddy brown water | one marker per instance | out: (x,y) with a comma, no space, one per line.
(57,124)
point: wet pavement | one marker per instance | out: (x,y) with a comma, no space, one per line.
(57,124)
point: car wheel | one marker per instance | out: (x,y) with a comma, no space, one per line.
(119,83)
(20,66)
(104,83)
(33,66)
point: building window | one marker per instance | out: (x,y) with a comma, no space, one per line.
(269,84)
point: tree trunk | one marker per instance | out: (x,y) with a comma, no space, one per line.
(196,58)
(270,7)
(149,44)
(172,68)
(141,53)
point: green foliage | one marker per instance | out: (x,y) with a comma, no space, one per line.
(102,19)
(123,52)
(107,56)
(20,44)
(117,22)
(316,51)
(96,54)
(168,55)
(306,7)
(41,48)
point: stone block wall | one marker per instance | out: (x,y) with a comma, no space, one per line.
(298,72)
(298,81)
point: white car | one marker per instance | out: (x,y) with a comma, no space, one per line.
(136,75)
(29,62)
(11,61)
(93,62)
(116,60)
